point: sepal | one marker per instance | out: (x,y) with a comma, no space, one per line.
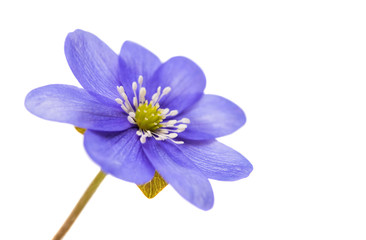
(152,188)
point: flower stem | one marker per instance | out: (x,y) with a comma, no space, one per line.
(80,205)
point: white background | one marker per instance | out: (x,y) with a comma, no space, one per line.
(297,68)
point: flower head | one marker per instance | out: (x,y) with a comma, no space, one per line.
(143,116)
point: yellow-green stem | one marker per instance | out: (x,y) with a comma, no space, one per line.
(80,205)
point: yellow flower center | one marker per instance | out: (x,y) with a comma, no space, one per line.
(148,117)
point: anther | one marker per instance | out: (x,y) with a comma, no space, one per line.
(166,90)
(124,108)
(140,80)
(135,102)
(171,122)
(165,111)
(119,101)
(130,119)
(172,113)
(120,90)
(182,126)
(143,139)
(172,135)
(142,95)
(134,86)
(185,120)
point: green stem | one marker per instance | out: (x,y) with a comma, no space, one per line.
(80,205)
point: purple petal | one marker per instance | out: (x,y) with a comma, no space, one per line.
(180,172)
(211,117)
(216,160)
(119,154)
(136,60)
(69,104)
(185,79)
(93,63)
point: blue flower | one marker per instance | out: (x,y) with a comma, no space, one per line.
(143,116)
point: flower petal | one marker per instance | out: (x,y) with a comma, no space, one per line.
(216,160)
(136,60)
(184,77)
(70,104)
(93,63)
(180,172)
(119,154)
(211,117)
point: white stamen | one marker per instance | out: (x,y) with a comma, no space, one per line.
(134,86)
(172,113)
(120,90)
(167,130)
(124,108)
(140,80)
(124,96)
(166,90)
(177,130)
(128,106)
(172,135)
(170,123)
(185,120)
(142,95)
(162,130)
(135,102)
(130,119)
(119,101)
(165,111)
(143,139)
(182,126)
(155,97)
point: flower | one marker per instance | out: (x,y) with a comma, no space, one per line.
(143,116)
